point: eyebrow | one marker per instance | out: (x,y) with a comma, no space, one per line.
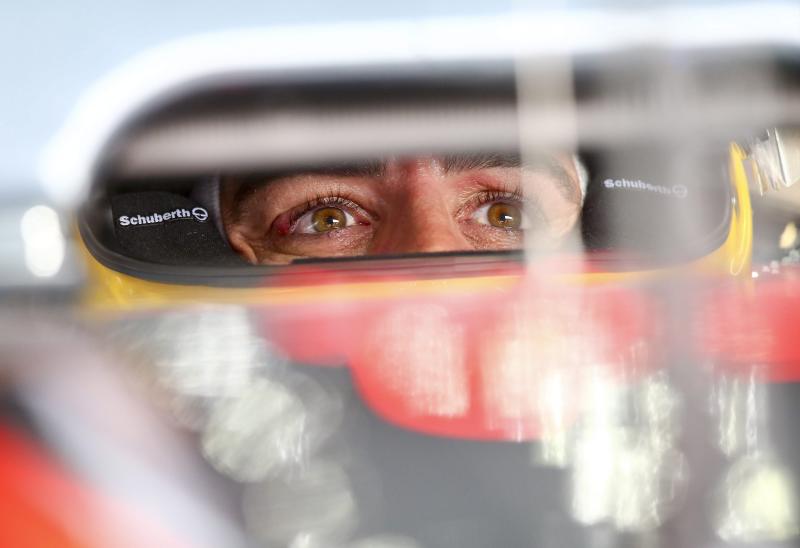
(568,186)
(452,163)
(466,162)
(374,169)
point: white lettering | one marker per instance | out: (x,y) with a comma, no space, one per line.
(679,191)
(198,213)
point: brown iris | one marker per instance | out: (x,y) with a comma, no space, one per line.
(328,218)
(504,215)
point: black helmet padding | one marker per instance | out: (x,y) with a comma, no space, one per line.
(168,228)
(640,204)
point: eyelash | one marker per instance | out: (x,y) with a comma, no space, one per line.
(340,197)
(320,200)
(486,196)
(482,198)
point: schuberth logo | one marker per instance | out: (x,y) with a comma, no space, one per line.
(197,213)
(679,191)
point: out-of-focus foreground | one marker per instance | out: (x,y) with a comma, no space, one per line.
(635,384)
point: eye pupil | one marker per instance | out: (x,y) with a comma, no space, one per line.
(504,216)
(328,218)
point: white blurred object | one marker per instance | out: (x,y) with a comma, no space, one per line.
(757,501)
(776,159)
(593,470)
(728,406)
(553,449)
(313,507)
(651,473)
(253,435)
(43,241)
(594,453)
(198,355)
(626,470)
(528,371)
(650,483)
(659,408)
(210,351)
(788,237)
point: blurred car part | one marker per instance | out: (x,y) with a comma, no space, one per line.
(448,400)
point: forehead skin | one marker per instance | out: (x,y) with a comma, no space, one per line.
(415,193)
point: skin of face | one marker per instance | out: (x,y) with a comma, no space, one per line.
(403,205)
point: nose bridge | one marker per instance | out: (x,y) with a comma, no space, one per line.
(421,218)
(429,232)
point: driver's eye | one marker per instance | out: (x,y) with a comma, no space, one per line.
(325,219)
(501,215)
